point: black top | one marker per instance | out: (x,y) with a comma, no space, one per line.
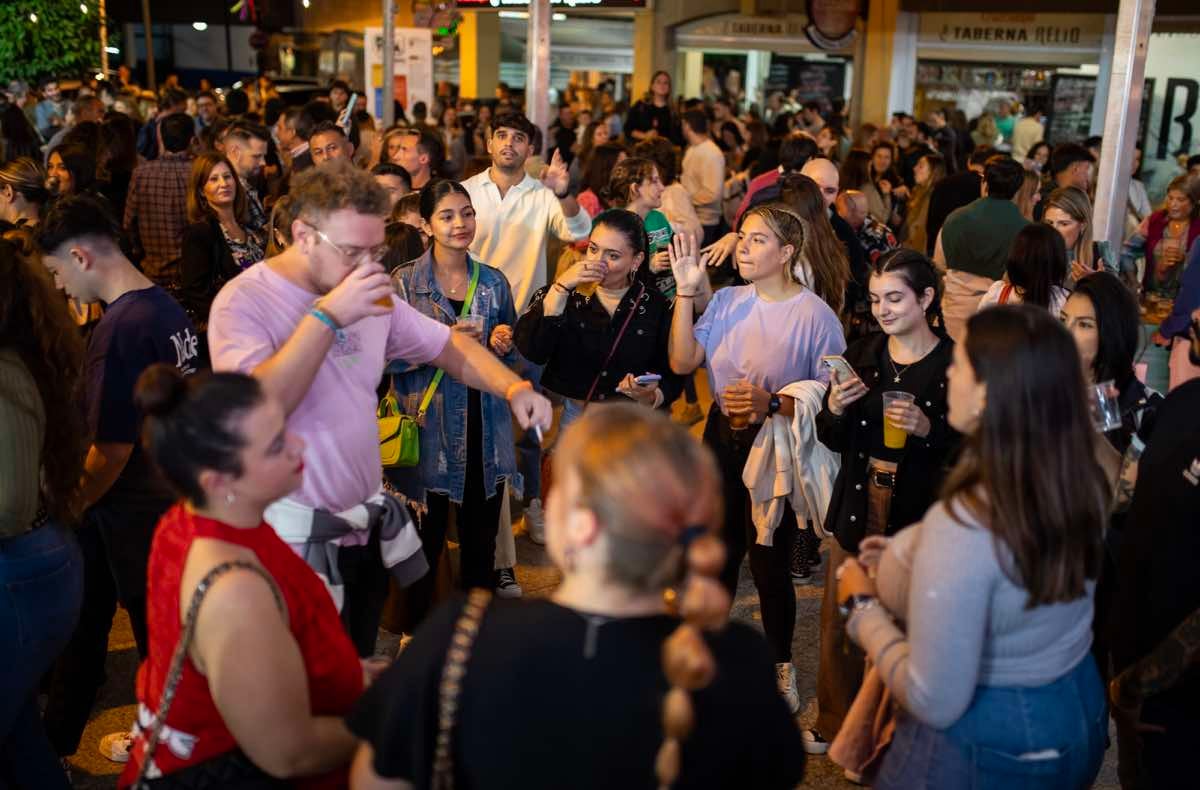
(1158,585)
(205,265)
(553,699)
(137,330)
(857,308)
(952,192)
(645,116)
(574,345)
(858,436)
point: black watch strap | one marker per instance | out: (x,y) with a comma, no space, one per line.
(774,405)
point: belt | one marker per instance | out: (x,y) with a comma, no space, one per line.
(882,479)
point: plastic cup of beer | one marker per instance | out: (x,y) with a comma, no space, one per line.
(894,436)
(739,422)
(384,301)
(472,322)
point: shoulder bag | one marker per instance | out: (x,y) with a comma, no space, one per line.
(399,435)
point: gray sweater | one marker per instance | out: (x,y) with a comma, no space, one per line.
(967,624)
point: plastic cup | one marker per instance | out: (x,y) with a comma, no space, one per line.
(384,301)
(1106,412)
(894,436)
(472,322)
(739,422)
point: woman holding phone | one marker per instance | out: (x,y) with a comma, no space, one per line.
(756,339)
(602,325)
(468,480)
(888,420)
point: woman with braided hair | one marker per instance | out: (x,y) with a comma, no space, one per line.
(601,685)
(757,340)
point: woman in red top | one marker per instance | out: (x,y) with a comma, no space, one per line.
(263,691)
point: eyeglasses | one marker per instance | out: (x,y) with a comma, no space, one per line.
(355,255)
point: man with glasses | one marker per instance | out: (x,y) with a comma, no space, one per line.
(316,324)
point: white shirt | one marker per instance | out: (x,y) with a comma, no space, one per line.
(704,179)
(511,233)
(1058,297)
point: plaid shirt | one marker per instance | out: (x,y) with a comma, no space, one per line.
(156,213)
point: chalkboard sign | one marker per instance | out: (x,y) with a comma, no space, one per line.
(812,80)
(1071,100)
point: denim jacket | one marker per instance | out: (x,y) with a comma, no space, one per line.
(443,465)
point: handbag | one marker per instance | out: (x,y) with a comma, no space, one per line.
(546,465)
(450,687)
(399,435)
(233,769)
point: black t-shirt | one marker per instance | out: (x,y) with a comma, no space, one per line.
(645,116)
(553,698)
(137,330)
(1158,585)
(916,379)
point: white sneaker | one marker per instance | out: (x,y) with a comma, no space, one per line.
(506,584)
(785,678)
(116,745)
(535,522)
(814,741)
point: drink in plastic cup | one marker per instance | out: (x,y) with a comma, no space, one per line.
(384,301)
(739,422)
(894,437)
(1106,412)
(474,323)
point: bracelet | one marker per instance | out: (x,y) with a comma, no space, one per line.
(516,387)
(686,296)
(328,321)
(557,284)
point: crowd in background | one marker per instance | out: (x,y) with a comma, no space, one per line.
(271,358)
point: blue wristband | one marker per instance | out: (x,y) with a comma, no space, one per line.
(325,319)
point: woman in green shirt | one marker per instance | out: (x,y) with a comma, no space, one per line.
(635,186)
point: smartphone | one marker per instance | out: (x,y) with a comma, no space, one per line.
(837,363)
(647,379)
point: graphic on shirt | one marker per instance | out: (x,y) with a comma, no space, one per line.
(348,344)
(186,349)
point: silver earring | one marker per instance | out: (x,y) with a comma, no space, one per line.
(230,498)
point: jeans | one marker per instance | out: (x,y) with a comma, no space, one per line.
(41,591)
(529,449)
(1049,737)
(115,541)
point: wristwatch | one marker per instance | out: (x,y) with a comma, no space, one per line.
(773,405)
(856,603)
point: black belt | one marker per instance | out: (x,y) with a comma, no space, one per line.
(882,479)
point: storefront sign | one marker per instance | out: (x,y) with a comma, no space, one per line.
(832,22)
(782,33)
(1016,30)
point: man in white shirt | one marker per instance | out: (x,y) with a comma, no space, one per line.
(1028,132)
(516,213)
(703,173)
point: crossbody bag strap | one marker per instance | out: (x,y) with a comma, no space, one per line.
(175,672)
(463,313)
(612,351)
(450,688)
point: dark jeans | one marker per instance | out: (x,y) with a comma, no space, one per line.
(115,540)
(1049,737)
(41,591)
(769,565)
(477,518)
(366,591)
(529,449)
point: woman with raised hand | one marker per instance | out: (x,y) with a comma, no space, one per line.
(602,327)
(466,442)
(568,691)
(994,586)
(755,340)
(249,668)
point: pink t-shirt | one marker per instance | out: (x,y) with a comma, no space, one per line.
(255,314)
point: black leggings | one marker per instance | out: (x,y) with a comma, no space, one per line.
(769,565)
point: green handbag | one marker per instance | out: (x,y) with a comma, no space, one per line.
(399,436)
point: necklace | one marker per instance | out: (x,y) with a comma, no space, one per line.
(900,371)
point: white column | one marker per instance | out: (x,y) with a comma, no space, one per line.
(537,83)
(1107,44)
(389,63)
(1126,85)
(903,87)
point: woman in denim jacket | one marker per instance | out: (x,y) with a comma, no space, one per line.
(466,439)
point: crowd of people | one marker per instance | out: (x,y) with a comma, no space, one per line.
(262,363)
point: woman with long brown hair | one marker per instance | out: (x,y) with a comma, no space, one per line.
(823,265)
(929,170)
(995,585)
(493,693)
(41,462)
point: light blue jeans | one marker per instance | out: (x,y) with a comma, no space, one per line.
(1049,737)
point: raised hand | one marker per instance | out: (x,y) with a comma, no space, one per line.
(556,177)
(690,276)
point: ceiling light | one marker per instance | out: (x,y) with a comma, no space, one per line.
(200,26)
(83,8)
(33,17)
(306,3)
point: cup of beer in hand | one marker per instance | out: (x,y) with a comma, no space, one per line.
(894,436)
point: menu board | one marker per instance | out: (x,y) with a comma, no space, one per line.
(815,80)
(1071,100)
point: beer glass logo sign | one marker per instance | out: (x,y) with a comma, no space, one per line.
(831,22)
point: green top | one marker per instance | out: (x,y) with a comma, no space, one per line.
(22,432)
(659,233)
(977,237)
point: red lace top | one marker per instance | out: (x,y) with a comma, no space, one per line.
(195,731)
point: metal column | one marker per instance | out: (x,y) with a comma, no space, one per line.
(537,81)
(1125,87)
(389,63)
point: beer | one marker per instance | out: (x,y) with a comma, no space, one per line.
(894,436)
(739,422)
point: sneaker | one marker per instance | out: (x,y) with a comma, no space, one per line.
(506,584)
(535,522)
(801,570)
(691,414)
(116,745)
(813,546)
(785,679)
(814,742)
